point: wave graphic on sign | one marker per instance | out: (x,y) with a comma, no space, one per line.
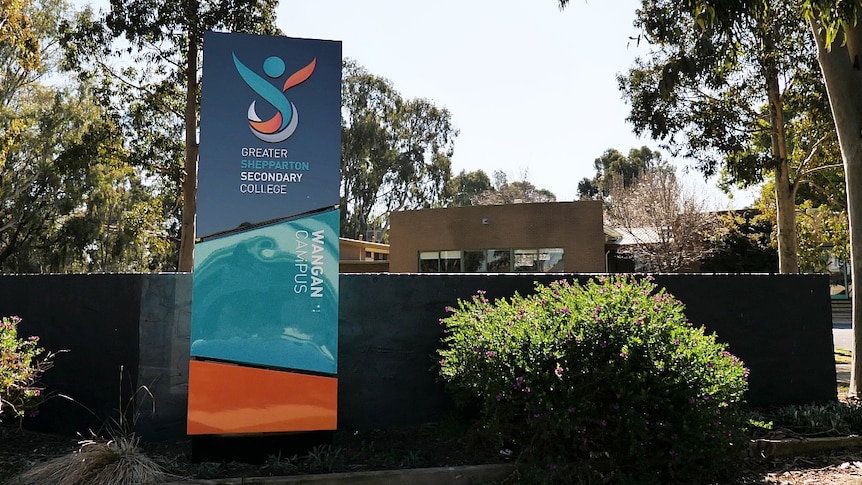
(282,125)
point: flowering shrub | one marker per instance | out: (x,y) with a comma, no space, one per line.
(602,381)
(20,370)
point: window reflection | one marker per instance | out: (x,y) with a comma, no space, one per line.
(540,260)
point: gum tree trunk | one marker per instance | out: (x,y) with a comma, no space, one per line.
(190,181)
(841,72)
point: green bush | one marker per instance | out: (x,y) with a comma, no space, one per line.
(22,363)
(606,381)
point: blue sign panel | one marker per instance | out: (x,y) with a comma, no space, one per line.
(269,296)
(270,129)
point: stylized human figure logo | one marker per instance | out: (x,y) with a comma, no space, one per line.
(284,122)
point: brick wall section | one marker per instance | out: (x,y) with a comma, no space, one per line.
(574,226)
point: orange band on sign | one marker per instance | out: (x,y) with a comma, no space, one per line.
(232,399)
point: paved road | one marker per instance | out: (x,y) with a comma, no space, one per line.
(842,335)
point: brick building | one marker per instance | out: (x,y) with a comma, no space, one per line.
(539,237)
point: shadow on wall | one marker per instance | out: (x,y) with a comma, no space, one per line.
(779,325)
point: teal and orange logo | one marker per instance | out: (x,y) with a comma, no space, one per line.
(286,118)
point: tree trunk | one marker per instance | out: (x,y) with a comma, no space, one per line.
(785,214)
(785,200)
(190,181)
(840,66)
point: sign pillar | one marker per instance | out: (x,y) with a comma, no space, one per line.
(264,334)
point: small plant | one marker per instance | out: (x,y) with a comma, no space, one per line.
(281,463)
(606,381)
(809,420)
(22,363)
(113,460)
(119,462)
(325,458)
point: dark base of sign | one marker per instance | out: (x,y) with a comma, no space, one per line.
(256,448)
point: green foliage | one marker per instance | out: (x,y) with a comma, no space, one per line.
(742,243)
(520,191)
(466,188)
(613,168)
(395,152)
(71,200)
(22,363)
(17,34)
(606,379)
(808,420)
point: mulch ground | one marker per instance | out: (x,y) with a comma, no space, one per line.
(406,448)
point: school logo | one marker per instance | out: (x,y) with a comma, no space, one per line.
(286,118)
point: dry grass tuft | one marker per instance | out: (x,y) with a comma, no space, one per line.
(115,462)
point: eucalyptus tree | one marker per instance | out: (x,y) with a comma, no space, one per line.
(395,152)
(613,166)
(836,29)
(717,96)
(465,188)
(62,163)
(516,192)
(146,54)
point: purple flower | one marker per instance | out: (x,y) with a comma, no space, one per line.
(499,397)
(490,353)
(519,383)
(559,371)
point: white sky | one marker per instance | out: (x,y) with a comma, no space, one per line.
(530,87)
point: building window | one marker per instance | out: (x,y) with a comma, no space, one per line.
(526,260)
(551,260)
(499,260)
(429,262)
(440,262)
(450,261)
(474,262)
(543,260)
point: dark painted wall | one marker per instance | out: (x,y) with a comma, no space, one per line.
(779,325)
(94,319)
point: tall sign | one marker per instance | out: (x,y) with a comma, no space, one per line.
(265,283)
